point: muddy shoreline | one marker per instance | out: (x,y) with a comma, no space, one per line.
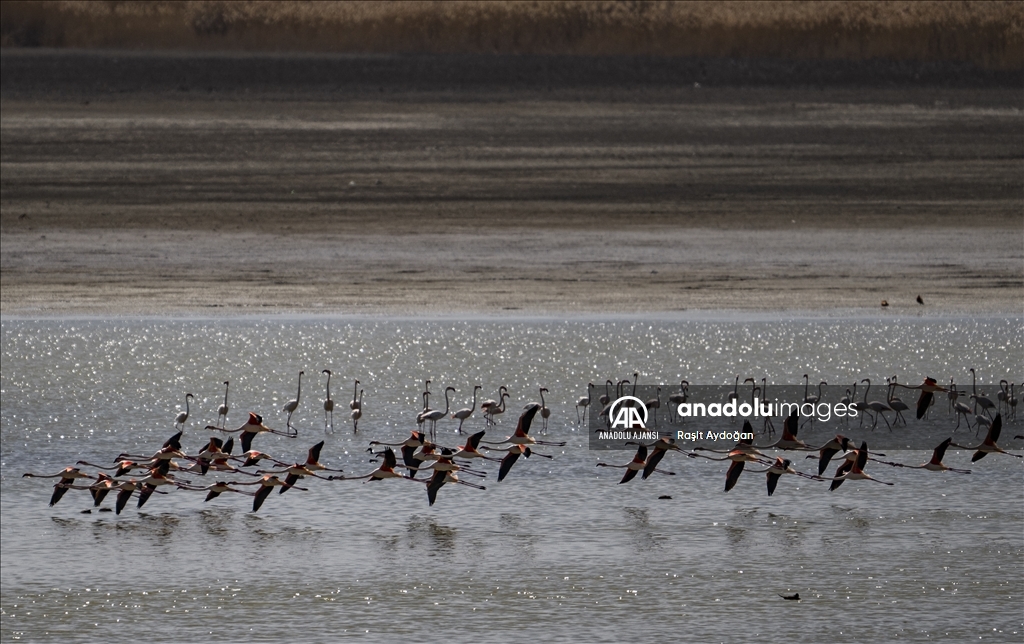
(611,197)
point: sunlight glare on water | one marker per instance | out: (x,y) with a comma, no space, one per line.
(558,551)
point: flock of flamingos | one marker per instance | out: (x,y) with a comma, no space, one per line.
(167,467)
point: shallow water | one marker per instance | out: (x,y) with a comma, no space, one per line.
(557,551)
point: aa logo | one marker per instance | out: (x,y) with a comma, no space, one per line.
(628,413)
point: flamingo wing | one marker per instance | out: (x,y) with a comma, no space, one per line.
(735,469)
(923,402)
(261,496)
(246,438)
(653,461)
(174,441)
(314,453)
(506,464)
(122,500)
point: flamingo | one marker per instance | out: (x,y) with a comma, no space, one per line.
(811,399)
(545,413)
(1011,404)
(295,471)
(409,446)
(936,464)
(986,403)
(1003,396)
(465,413)
(222,411)
(653,405)
(854,470)
(440,478)
(789,441)
(677,399)
(356,403)
(471,448)
(847,401)
(357,413)
(292,405)
(215,490)
(739,456)
(606,398)
(769,426)
(859,406)
(928,388)
(149,485)
(634,466)
(895,403)
(183,416)
(252,427)
(521,435)
(989,446)
(514,452)
(584,402)
(435,415)
(313,459)
(960,409)
(496,409)
(267,484)
(385,471)
(778,468)
(67,477)
(879,408)
(126,489)
(828,451)
(122,467)
(659,449)
(328,403)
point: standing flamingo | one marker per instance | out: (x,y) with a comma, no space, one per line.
(357,412)
(982,400)
(292,405)
(545,413)
(465,413)
(183,416)
(435,415)
(222,411)
(328,403)
(356,403)
(584,402)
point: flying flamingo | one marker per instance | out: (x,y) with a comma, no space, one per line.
(988,446)
(659,449)
(385,471)
(789,441)
(936,464)
(251,429)
(521,435)
(67,477)
(828,451)
(471,448)
(778,468)
(514,452)
(739,457)
(440,478)
(183,416)
(928,388)
(295,471)
(409,447)
(292,405)
(313,459)
(122,467)
(222,411)
(638,464)
(328,403)
(215,490)
(465,413)
(267,484)
(584,402)
(854,470)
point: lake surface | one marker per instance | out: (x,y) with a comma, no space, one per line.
(558,551)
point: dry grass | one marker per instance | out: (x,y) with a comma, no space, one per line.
(989,34)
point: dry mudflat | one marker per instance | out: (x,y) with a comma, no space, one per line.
(136,192)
